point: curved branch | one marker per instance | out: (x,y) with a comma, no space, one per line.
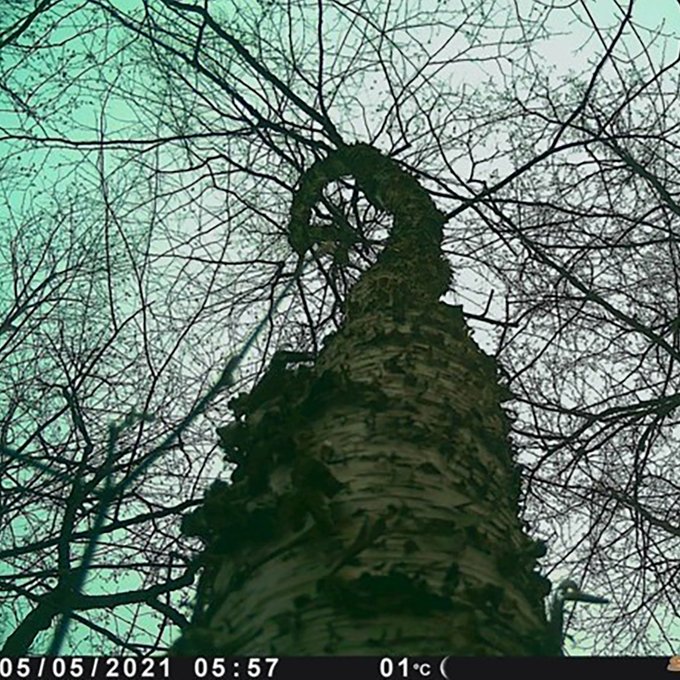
(386,185)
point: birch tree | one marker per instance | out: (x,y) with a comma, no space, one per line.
(215,152)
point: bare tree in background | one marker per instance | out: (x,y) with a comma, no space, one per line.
(560,196)
(70,367)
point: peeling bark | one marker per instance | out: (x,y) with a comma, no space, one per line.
(374,507)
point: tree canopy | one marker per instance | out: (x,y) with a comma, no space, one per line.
(150,151)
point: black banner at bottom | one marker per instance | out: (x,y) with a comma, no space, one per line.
(348,668)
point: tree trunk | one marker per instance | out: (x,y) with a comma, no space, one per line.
(374,509)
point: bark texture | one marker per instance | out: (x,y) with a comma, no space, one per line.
(374,507)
